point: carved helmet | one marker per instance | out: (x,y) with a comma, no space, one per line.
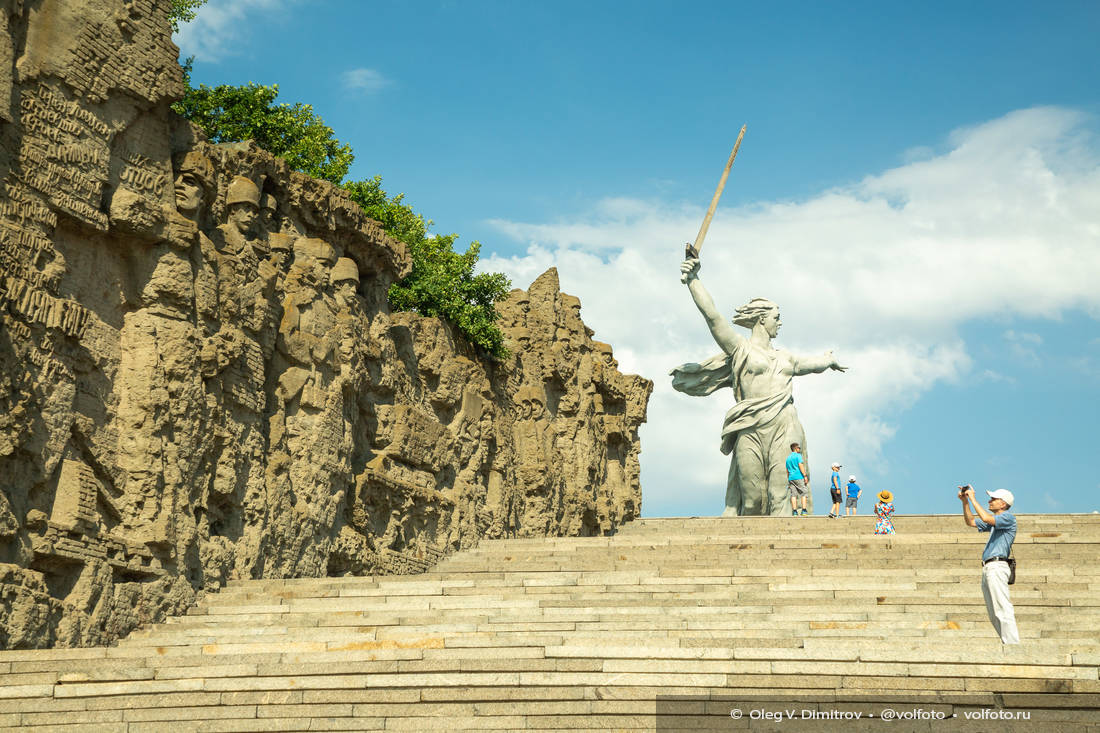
(242,191)
(195,162)
(314,248)
(344,269)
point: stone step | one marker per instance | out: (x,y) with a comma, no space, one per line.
(900,621)
(536,605)
(745,565)
(1039,543)
(396,647)
(656,581)
(925,624)
(687,673)
(660,584)
(837,686)
(786,541)
(785,559)
(898,613)
(798,566)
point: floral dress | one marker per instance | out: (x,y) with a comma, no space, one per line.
(883,511)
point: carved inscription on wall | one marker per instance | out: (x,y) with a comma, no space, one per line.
(26,225)
(37,306)
(141,175)
(65,153)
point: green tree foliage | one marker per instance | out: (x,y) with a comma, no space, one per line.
(249,112)
(183,11)
(443,282)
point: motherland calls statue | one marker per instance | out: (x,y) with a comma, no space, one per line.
(760,428)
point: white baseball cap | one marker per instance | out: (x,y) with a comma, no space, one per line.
(836,465)
(851,478)
(1003,494)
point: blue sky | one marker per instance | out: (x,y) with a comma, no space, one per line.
(917,189)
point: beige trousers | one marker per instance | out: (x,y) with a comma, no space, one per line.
(997,603)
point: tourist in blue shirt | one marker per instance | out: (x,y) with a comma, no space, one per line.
(1001,525)
(853,496)
(834,491)
(798,478)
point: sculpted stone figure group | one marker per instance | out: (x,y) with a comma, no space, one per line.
(759,429)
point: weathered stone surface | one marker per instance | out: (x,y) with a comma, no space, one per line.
(200,378)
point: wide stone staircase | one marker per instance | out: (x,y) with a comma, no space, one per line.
(672,624)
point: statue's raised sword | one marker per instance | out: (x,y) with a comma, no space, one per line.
(691,251)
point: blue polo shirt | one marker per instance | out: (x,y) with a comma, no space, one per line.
(835,479)
(794,467)
(853,488)
(1001,534)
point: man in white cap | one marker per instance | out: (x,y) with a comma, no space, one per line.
(1001,525)
(834,491)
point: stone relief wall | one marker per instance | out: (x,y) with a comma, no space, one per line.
(200,378)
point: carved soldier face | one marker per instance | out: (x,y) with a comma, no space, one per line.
(269,215)
(269,220)
(189,193)
(344,292)
(565,345)
(771,322)
(243,215)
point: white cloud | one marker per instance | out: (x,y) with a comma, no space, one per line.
(222,24)
(1003,223)
(1023,346)
(991,375)
(365,81)
(1023,337)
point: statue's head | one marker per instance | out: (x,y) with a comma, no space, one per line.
(194,177)
(313,258)
(607,356)
(269,213)
(242,202)
(759,311)
(344,278)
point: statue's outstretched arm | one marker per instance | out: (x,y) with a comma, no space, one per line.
(816,364)
(720,329)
